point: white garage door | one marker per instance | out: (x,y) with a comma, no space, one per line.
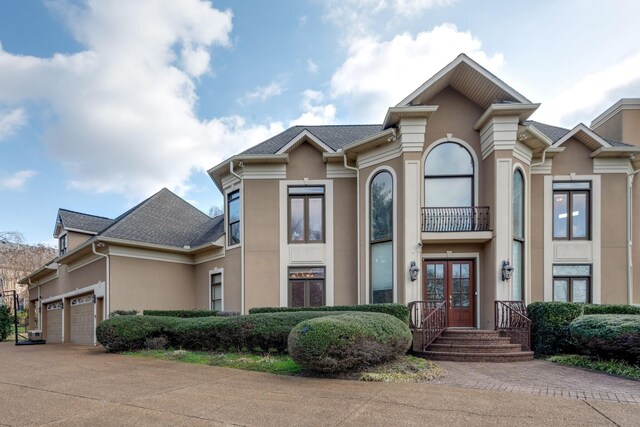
(82,320)
(54,322)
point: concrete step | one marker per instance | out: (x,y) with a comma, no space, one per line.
(470,333)
(466,348)
(452,356)
(478,340)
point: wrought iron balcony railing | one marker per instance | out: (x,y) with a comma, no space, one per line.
(475,218)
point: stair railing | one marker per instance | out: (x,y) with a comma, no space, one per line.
(428,317)
(511,319)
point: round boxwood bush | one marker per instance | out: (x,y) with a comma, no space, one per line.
(348,341)
(609,336)
(126,333)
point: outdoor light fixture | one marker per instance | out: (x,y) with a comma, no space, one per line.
(413,271)
(507,270)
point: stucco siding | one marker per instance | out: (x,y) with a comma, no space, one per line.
(345,241)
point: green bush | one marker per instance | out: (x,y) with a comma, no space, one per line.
(399,311)
(123,313)
(610,309)
(265,332)
(180,313)
(6,322)
(609,336)
(550,326)
(348,341)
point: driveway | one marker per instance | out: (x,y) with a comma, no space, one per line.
(69,385)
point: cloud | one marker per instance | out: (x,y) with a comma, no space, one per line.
(262,93)
(314,112)
(11,121)
(125,106)
(15,181)
(312,67)
(378,74)
(592,94)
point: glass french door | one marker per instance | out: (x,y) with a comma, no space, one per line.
(452,282)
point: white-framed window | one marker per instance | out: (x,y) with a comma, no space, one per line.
(449,173)
(216,290)
(233,218)
(63,244)
(518,249)
(307,287)
(381,237)
(306,214)
(572,283)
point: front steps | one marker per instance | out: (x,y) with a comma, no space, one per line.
(472,345)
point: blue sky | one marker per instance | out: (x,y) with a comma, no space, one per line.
(103,103)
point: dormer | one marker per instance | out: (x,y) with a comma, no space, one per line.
(74,228)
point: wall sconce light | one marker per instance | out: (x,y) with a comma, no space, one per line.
(507,270)
(413,271)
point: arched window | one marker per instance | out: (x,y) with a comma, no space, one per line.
(381,237)
(448,177)
(517,278)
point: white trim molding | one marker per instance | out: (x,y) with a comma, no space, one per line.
(219,271)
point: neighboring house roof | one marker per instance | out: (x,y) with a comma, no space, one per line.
(555,133)
(82,222)
(334,136)
(163,219)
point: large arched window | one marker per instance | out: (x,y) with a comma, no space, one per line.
(517,278)
(381,237)
(448,176)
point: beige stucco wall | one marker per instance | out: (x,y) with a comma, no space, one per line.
(305,161)
(636,240)
(612,128)
(576,158)
(142,284)
(75,239)
(536,216)
(631,127)
(345,241)
(85,276)
(230,264)
(48,289)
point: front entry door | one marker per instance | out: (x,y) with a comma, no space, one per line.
(451,281)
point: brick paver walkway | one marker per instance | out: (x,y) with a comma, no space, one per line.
(541,378)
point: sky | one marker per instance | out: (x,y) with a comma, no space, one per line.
(104,102)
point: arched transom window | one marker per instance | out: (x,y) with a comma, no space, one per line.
(448,176)
(381,237)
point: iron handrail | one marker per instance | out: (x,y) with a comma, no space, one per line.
(429,319)
(456,219)
(511,319)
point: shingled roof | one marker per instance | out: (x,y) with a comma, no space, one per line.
(335,136)
(555,133)
(83,222)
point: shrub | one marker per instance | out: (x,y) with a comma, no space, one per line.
(180,313)
(348,341)
(267,331)
(610,309)
(609,336)
(550,326)
(6,322)
(123,313)
(399,311)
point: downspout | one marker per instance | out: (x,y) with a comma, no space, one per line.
(106,285)
(344,157)
(543,159)
(242,290)
(630,177)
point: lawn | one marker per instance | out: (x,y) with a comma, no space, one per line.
(405,369)
(609,366)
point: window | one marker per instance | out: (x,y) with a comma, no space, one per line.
(216,291)
(62,244)
(381,237)
(306,287)
(517,277)
(233,215)
(448,177)
(571,210)
(306,214)
(572,283)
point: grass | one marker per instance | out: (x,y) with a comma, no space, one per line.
(405,369)
(613,367)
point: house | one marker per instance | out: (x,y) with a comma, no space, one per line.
(457,199)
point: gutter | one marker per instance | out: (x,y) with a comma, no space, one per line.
(542,160)
(630,176)
(106,284)
(242,287)
(357,219)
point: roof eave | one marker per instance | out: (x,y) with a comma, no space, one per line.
(582,133)
(377,139)
(216,172)
(523,111)
(629,152)
(395,114)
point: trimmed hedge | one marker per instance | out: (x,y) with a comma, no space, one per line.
(398,311)
(180,313)
(610,309)
(550,326)
(609,336)
(123,313)
(348,341)
(265,332)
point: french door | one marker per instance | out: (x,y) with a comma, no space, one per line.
(453,282)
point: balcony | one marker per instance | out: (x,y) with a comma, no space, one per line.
(461,224)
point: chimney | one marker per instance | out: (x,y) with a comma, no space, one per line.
(621,122)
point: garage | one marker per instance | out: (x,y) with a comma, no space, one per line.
(82,320)
(54,322)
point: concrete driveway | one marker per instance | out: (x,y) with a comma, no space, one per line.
(69,385)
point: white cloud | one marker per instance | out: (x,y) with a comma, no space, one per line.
(262,93)
(312,67)
(378,74)
(11,121)
(314,112)
(15,181)
(591,95)
(125,105)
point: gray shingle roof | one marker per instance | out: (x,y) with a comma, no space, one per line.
(213,230)
(554,133)
(335,136)
(82,221)
(163,219)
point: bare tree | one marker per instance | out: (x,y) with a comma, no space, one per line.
(215,211)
